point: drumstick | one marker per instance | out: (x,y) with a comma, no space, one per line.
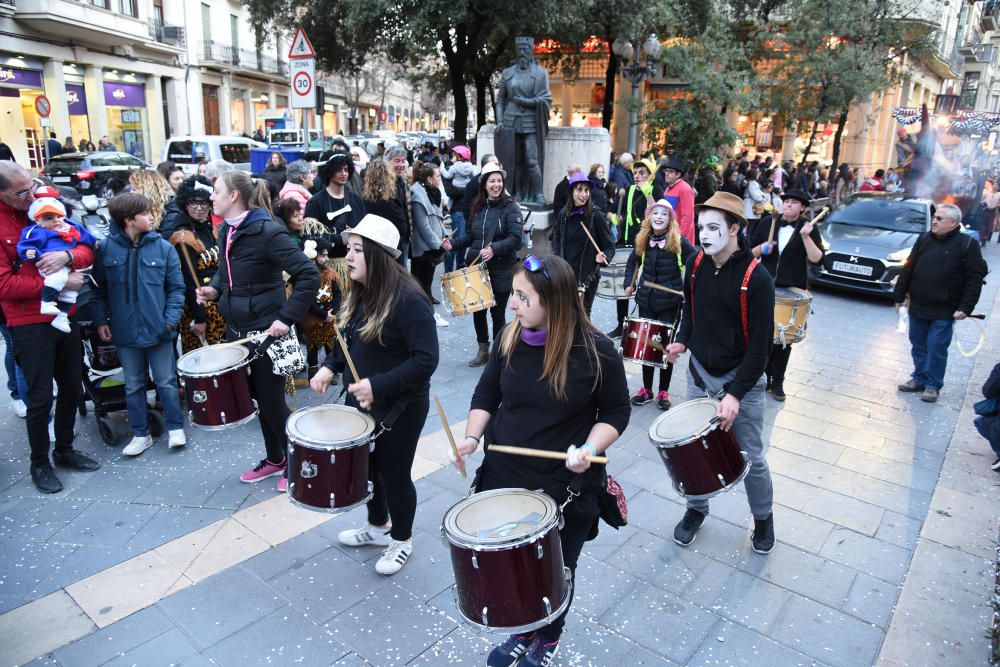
(589,236)
(451,438)
(189,263)
(542,453)
(248,339)
(347,355)
(477,258)
(663,288)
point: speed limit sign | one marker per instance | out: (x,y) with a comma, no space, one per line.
(302,72)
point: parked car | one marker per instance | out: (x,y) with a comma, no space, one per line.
(104,173)
(187,152)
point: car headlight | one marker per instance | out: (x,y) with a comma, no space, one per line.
(899,255)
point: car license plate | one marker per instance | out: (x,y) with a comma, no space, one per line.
(60,179)
(858,269)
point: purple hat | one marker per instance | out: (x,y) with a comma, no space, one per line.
(579,177)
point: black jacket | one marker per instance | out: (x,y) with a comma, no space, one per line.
(254,297)
(662,267)
(571,243)
(394,210)
(206,264)
(942,275)
(599,195)
(561,194)
(713,332)
(790,268)
(629,229)
(471,190)
(323,207)
(497,225)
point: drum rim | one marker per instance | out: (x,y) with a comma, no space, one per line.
(548,522)
(243,361)
(669,325)
(309,443)
(674,442)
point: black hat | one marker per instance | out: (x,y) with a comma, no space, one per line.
(336,161)
(797,195)
(675,163)
(193,187)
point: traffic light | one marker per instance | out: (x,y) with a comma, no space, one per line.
(320,100)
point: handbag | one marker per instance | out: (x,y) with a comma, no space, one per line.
(613,504)
(285,352)
(988,407)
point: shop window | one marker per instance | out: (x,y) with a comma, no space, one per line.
(235,152)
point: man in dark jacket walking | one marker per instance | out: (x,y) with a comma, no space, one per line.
(941,281)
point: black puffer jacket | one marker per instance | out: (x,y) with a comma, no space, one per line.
(942,275)
(571,243)
(660,267)
(254,296)
(498,225)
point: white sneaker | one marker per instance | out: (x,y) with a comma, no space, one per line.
(61,322)
(394,558)
(49,308)
(19,408)
(368,534)
(139,444)
(177,438)
(441,322)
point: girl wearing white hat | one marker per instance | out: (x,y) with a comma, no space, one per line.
(388,323)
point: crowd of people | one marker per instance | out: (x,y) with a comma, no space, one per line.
(292,253)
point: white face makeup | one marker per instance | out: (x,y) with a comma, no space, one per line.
(713,231)
(660,218)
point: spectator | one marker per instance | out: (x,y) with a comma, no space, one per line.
(86,146)
(299,180)
(139,301)
(44,353)
(105,144)
(561,193)
(202,166)
(149,183)
(55,148)
(623,177)
(68,146)
(6,154)
(287,211)
(679,189)
(335,206)
(873,183)
(988,422)
(598,188)
(395,157)
(429,242)
(274,172)
(171,173)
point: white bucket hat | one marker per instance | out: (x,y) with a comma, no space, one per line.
(378,229)
(492,168)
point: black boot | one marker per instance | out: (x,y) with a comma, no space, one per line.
(481,357)
(45,478)
(778,390)
(763,534)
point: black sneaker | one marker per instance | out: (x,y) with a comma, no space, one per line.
(685,531)
(45,478)
(510,651)
(778,390)
(663,400)
(541,653)
(642,397)
(74,460)
(615,333)
(763,534)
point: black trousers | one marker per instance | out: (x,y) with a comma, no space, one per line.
(777,363)
(497,314)
(44,353)
(589,292)
(268,390)
(669,316)
(394,495)
(422,269)
(572,536)
(622,307)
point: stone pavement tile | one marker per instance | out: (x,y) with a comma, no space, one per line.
(823,411)
(170,523)
(352,660)
(84,562)
(907,453)
(450,480)
(653,513)
(966,506)
(283,637)
(871,600)
(586,643)
(844,511)
(819,474)
(738,596)
(891,430)
(122,590)
(719,540)
(358,517)
(320,594)
(827,634)
(903,474)
(600,585)
(27,564)
(28,519)
(215,608)
(661,622)
(182,487)
(951,566)
(391,628)
(116,481)
(8,602)
(806,445)
(171,649)
(791,492)
(105,524)
(423,466)
(649,476)
(660,562)
(71,480)
(902,499)
(801,572)
(277,520)
(900,530)
(732,644)
(56,620)
(430,512)
(212,549)
(286,556)
(608,541)
(428,570)
(851,437)
(621,459)
(867,554)
(458,647)
(104,645)
(800,529)
(972,537)
(230,494)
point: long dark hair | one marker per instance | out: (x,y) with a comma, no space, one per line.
(481,197)
(588,208)
(386,282)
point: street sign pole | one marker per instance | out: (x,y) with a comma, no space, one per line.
(302,78)
(44,108)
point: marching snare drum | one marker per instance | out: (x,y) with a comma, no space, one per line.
(611,284)
(216,385)
(507,559)
(791,310)
(467,290)
(701,459)
(645,341)
(328,450)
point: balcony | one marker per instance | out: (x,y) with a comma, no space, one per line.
(990,18)
(212,52)
(166,34)
(218,53)
(83,23)
(7,7)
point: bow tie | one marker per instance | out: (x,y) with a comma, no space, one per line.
(662,243)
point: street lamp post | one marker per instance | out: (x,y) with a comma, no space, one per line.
(635,68)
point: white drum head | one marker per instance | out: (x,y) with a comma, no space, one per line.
(329,426)
(500,517)
(212,360)
(683,422)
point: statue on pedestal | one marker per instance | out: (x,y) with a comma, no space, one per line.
(523,102)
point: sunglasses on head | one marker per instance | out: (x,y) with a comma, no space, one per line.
(534,264)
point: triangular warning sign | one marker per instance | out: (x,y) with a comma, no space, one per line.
(301,46)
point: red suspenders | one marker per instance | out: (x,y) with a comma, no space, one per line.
(744,310)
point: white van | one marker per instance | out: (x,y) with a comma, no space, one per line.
(187,152)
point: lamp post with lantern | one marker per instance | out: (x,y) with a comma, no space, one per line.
(635,68)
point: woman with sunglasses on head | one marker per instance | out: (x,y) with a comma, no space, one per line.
(552,382)
(492,236)
(192,234)
(388,323)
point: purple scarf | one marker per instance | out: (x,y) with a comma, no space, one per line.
(534,338)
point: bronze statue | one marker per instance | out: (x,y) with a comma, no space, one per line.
(523,102)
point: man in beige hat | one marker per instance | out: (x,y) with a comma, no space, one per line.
(727,322)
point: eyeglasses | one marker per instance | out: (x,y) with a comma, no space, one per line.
(534,264)
(199,204)
(941,218)
(20,194)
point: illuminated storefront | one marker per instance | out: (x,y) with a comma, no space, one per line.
(21,130)
(125,105)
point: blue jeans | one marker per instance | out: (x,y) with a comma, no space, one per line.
(162,365)
(16,384)
(457,229)
(929,341)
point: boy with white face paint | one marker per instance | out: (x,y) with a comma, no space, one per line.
(727,322)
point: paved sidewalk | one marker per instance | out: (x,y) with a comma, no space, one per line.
(885,514)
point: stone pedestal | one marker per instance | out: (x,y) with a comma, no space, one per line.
(583,145)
